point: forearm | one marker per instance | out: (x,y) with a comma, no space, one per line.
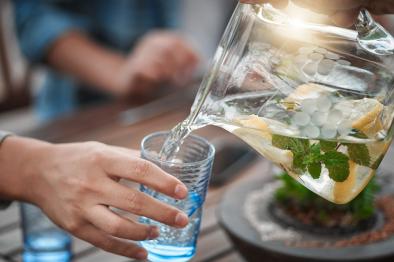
(20,160)
(77,55)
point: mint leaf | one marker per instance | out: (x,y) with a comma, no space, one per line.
(337,164)
(314,169)
(298,162)
(327,145)
(296,145)
(299,148)
(313,156)
(359,154)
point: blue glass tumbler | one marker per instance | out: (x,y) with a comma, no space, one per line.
(43,240)
(193,167)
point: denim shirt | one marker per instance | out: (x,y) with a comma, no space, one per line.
(116,24)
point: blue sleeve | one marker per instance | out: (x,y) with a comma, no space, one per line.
(40,24)
(171,10)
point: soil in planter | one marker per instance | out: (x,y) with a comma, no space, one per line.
(360,222)
(338,222)
(386,205)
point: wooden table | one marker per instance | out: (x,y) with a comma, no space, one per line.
(103,124)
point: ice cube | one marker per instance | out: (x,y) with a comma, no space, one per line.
(332,56)
(309,106)
(301,119)
(325,66)
(275,60)
(324,103)
(321,50)
(319,118)
(334,117)
(344,62)
(311,131)
(345,127)
(316,56)
(310,69)
(301,59)
(306,50)
(328,131)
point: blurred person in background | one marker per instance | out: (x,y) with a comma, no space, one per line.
(95,48)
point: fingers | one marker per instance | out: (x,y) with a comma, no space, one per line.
(126,166)
(139,203)
(111,244)
(117,226)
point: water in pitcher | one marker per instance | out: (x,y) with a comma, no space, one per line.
(320,107)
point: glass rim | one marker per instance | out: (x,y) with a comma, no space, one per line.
(154,159)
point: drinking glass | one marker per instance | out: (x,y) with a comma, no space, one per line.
(192,166)
(43,241)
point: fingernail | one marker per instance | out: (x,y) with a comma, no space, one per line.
(181,219)
(141,254)
(153,233)
(180,191)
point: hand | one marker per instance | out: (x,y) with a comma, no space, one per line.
(342,12)
(75,184)
(160,57)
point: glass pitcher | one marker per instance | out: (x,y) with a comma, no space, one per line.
(313,98)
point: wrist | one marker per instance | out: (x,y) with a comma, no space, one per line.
(22,161)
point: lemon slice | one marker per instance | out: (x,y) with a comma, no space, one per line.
(307,91)
(256,132)
(255,122)
(364,114)
(342,192)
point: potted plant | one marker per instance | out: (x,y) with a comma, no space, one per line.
(296,206)
(281,220)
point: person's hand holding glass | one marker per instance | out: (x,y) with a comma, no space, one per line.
(76,184)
